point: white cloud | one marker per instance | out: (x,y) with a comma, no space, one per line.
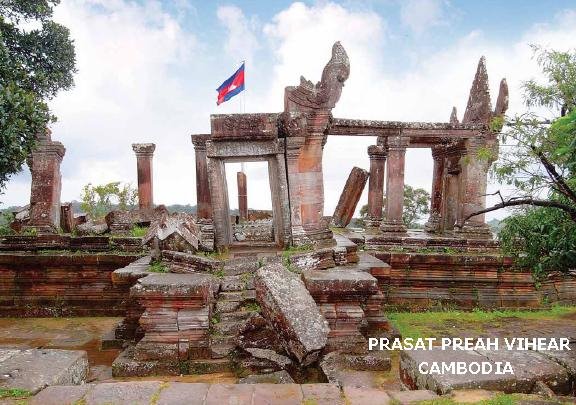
(241,42)
(421,15)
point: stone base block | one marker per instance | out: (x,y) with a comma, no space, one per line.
(393,227)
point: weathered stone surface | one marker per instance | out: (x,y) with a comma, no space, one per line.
(412,397)
(183,394)
(479,108)
(241,182)
(292,311)
(61,395)
(136,392)
(395,185)
(322,394)
(92,228)
(365,396)
(336,282)
(355,370)
(176,232)
(377,155)
(279,394)
(124,221)
(144,153)
(278,377)
(244,126)
(350,196)
(44,164)
(528,368)
(35,369)
(270,355)
(240,394)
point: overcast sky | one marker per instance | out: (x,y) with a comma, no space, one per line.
(148,70)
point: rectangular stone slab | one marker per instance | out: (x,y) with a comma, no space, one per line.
(35,369)
(290,308)
(340,282)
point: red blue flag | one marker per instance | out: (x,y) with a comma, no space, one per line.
(231,86)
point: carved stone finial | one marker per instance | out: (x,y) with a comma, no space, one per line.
(326,93)
(479,108)
(454,116)
(502,101)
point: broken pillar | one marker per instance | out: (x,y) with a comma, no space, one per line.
(434,221)
(44,164)
(292,312)
(479,154)
(242,195)
(349,197)
(377,155)
(307,115)
(66,218)
(395,185)
(144,154)
(203,201)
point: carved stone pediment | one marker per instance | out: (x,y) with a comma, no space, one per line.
(326,93)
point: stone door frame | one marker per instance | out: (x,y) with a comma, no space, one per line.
(218,153)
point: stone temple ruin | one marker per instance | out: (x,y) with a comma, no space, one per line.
(296,289)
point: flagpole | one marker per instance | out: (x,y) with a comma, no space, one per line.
(243,108)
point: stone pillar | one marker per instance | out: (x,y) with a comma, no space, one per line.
(451,193)
(377,155)
(144,154)
(349,197)
(44,164)
(473,182)
(242,195)
(203,200)
(395,185)
(439,158)
(293,146)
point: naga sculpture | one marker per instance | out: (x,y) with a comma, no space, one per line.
(326,93)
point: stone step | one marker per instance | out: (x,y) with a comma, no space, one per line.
(227,327)
(235,316)
(221,350)
(242,265)
(237,283)
(209,366)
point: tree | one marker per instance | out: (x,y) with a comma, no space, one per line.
(97,201)
(539,157)
(416,204)
(34,65)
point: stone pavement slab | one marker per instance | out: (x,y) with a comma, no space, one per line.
(412,397)
(61,394)
(138,392)
(225,394)
(183,394)
(277,394)
(322,394)
(365,396)
(35,369)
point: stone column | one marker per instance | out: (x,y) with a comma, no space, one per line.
(312,183)
(293,146)
(242,195)
(473,182)
(451,193)
(377,155)
(439,158)
(349,197)
(395,185)
(203,200)
(144,154)
(44,164)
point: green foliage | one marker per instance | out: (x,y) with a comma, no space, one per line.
(5,218)
(416,205)
(34,65)
(139,231)
(14,393)
(541,239)
(97,201)
(158,267)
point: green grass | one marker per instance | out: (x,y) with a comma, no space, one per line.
(425,324)
(14,393)
(158,267)
(139,231)
(500,399)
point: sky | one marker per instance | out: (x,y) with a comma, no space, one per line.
(148,70)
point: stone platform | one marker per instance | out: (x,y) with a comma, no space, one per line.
(155,392)
(34,369)
(555,369)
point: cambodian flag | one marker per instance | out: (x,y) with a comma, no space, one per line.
(231,86)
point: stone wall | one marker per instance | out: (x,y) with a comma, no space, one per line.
(420,281)
(61,284)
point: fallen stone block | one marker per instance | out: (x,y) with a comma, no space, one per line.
(290,308)
(36,369)
(350,197)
